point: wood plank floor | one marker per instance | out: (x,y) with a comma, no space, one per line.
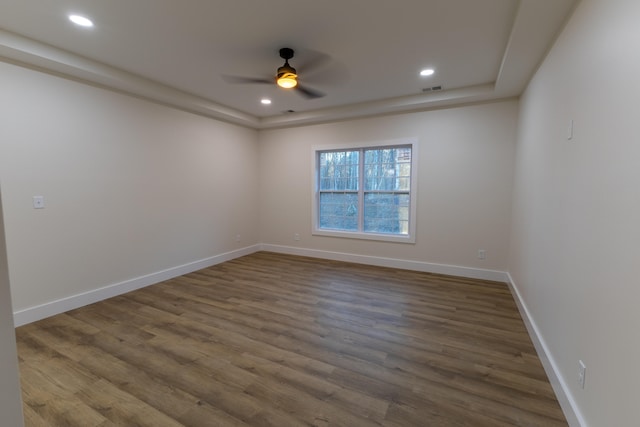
(278,340)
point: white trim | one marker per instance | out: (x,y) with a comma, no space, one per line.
(35,313)
(395,238)
(451,270)
(49,59)
(563,393)
(32,314)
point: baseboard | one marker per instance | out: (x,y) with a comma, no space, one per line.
(452,270)
(32,314)
(565,398)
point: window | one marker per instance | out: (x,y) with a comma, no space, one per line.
(365,192)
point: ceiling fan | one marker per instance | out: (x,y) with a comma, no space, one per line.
(286,77)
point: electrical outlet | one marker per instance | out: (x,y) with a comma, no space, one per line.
(296,237)
(482,254)
(237,237)
(582,371)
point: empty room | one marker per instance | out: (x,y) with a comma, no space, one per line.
(293,213)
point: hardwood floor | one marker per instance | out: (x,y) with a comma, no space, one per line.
(278,340)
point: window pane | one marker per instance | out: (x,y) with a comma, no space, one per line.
(339,211)
(403,184)
(376,179)
(387,169)
(339,170)
(386,213)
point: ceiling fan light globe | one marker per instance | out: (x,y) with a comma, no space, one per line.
(287,80)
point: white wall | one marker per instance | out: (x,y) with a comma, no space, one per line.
(575,234)
(131,188)
(464,184)
(10,401)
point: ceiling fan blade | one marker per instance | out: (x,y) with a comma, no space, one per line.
(312,61)
(251,80)
(308,93)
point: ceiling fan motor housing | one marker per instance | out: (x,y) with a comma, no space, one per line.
(287,76)
(286,69)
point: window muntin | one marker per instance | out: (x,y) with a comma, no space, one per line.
(365,191)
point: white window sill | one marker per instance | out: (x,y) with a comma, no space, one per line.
(365,236)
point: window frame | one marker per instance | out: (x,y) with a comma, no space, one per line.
(361,234)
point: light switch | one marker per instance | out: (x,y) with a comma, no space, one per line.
(38,202)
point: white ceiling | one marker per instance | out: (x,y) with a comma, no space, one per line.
(177,52)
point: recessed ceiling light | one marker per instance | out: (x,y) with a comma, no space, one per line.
(265,101)
(427,72)
(81,20)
